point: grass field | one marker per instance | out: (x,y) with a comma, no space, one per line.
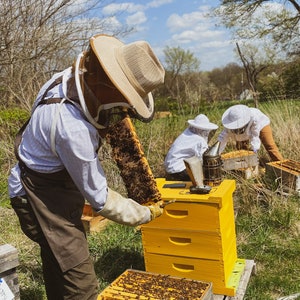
(267,220)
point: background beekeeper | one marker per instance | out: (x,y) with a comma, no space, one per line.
(58,164)
(244,124)
(193,141)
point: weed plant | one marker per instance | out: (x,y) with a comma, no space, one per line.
(267,217)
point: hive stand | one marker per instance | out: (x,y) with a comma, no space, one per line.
(250,268)
(195,237)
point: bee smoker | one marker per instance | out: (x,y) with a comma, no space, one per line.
(195,171)
(212,165)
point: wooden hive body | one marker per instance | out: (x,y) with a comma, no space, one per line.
(92,222)
(195,237)
(243,161)
(287,173)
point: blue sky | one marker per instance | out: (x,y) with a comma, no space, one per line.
(176,23)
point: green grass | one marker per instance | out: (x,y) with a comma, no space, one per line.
(267,220)
(269,234)
(116,249)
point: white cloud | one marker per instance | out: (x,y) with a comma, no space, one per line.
(113,23)
(176,22)
(184,37)
(197,32)
(214,54)
(136,19)
(129,7)
(189,36)
(194,31)
(194,27)
(209,34)
(158,3)
(216,44)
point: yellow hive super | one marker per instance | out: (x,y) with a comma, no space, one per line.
(134,284)
(195,237)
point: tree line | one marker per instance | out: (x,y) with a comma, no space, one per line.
(186,85)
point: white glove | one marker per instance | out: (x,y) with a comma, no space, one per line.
(125,210)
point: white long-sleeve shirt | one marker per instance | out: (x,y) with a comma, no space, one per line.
(186,145)
(76,144)
(258,121)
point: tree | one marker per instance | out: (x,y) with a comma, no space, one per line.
(228,81)
(291,79)
(252,68)
(38,38)
(251,19)
(181,69)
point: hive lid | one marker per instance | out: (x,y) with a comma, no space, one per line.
(183,194)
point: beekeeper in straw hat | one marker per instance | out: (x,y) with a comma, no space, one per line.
(242,124)
(58,166)
(193,141)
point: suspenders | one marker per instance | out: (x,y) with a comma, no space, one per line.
(43,101)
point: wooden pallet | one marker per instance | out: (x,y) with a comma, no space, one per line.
(240,293)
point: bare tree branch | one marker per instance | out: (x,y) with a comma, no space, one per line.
(253,19)
(40,37)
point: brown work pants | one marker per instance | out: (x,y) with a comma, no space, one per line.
(267,140)
(52,219)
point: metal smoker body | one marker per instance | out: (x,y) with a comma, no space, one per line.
(212,165)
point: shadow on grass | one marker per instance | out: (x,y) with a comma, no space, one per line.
(114,262)
(108,267)
(32,293)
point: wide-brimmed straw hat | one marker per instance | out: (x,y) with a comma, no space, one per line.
(134,70)
(236,116)
(202,122)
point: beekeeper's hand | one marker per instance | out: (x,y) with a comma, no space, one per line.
(125,210)
(156,209)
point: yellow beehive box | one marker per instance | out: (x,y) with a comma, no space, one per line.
(192,266)
(195,236)
(220,273)
(209,212)
(133,284)
(192,243)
